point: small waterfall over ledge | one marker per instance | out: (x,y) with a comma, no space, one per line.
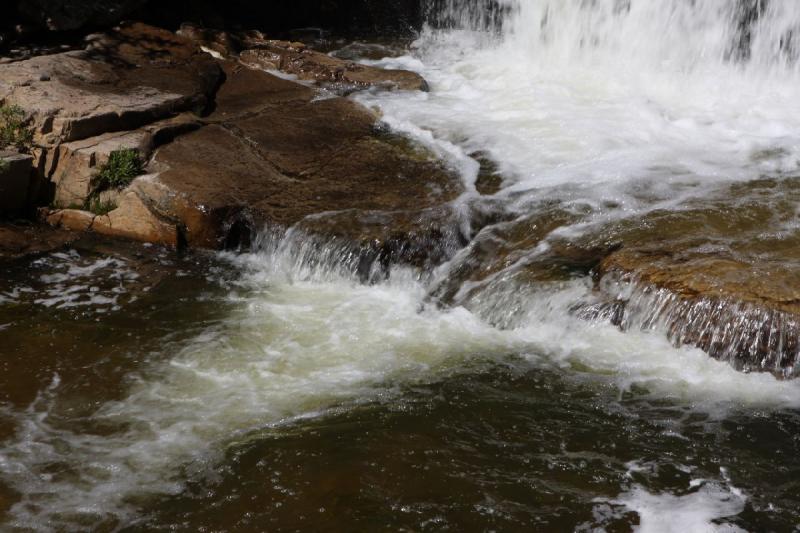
(677,35)
(615,110)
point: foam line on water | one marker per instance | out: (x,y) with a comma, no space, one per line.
(295,347)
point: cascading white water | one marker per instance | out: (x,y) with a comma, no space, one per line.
(576,93)
(677,35)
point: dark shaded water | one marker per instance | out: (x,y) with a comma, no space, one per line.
(156,400)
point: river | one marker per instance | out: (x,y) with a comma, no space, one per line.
(276,390)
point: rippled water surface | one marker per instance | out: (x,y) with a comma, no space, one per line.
(244,393)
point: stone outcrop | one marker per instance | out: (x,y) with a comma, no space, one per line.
(737,311)
(79,161)
(248,148)
(15,181)
(718,278)
(719,274)
(255,50)
(272,150)
(123,80)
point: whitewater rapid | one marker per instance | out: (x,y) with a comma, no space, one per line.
(638,104)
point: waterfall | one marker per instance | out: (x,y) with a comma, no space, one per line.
(679,35)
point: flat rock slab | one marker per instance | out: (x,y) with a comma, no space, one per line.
(272,149)
(127,78)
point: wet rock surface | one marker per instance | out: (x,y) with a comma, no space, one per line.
(719,274)
(342,75)
(271,147)
(249,148)
(22,239)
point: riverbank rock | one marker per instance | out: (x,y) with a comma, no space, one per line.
(15,182)
(273,153)
(123,80)
(328,71)
(720,274)
(255,50)
(19,240)
(249,149)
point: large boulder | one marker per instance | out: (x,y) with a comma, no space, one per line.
(273,153)
(125,79)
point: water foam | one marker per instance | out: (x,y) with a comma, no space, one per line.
(290,348)
(696,511)
(579,100)
(301,338)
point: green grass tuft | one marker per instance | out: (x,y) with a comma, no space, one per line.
(120,169)
(99,207)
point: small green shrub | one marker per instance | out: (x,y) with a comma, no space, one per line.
(13,130)
(98,206)
(120,169)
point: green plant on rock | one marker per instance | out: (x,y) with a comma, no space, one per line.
(14,131)
(98,206)
(120,169)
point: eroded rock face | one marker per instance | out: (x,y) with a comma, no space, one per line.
(255,50)
(126,79)
(270,148)
(332,72)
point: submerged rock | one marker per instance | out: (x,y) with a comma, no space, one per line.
(19,240)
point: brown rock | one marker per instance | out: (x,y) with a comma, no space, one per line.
(296,59)
(17,241)
(71,219)
(125,79)
(275,155)
(77,163)
(133,220)
(720,275)
(15,181)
